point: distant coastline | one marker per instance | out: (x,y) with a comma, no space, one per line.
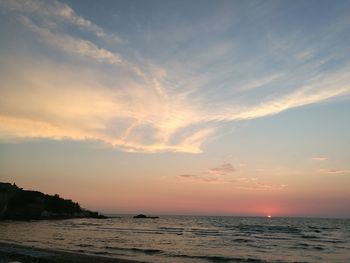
(19,204)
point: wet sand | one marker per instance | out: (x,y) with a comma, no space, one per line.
(26,254)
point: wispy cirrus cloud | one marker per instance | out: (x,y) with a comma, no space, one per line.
(136,104)
(54,12)
(72,44)
(324,88)
(258,83)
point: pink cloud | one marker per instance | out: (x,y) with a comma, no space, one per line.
(334,171)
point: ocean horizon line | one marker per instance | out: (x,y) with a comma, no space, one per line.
(225,215)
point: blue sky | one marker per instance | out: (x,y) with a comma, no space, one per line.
(178,90)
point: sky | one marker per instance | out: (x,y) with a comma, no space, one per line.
(179,107)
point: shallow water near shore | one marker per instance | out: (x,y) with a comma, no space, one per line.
(191,239)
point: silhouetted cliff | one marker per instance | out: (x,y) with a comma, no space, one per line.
(19,204)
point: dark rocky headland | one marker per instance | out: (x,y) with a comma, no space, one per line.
(19,204)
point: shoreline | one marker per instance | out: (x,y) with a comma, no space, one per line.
(27,254)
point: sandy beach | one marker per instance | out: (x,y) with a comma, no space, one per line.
(27,254)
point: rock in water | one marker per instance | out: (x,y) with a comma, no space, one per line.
(144,216)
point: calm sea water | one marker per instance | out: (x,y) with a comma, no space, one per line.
(191,239)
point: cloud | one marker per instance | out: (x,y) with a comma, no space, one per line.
(188,175)
(319,158)
(72,44)
(224,169)
(135,104)
(200,178)
(226,174)
(55,11)
(195,140)
(265,80)
(334,171)
(217,174)
(256,186)
(68,103)
(330,86)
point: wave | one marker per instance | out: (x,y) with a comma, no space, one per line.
(142,230)
(308,247)
(309,237)
(258,229)
(242,240)
(135,249)
(225,259)
(101,253)
(84,245)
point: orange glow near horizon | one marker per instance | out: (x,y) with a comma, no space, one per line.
(162,197)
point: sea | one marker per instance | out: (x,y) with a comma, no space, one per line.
(199,239)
